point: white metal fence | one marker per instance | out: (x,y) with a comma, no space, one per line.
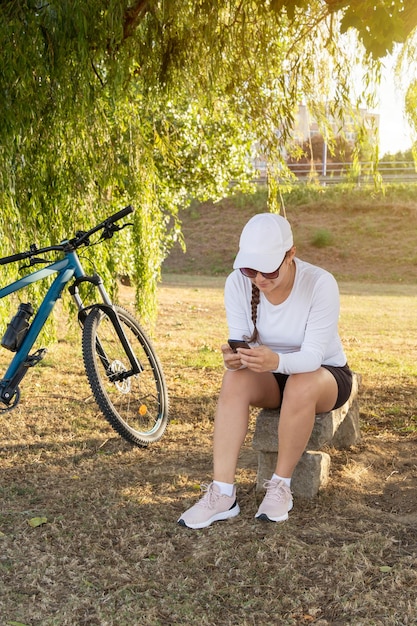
(337,173)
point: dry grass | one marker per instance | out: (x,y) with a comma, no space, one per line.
(110,552)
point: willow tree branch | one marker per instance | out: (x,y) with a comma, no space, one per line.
(133,17)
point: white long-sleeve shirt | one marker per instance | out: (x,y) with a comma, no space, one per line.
(302,330)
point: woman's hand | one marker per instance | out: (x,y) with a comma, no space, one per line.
(232,360)
(259,359)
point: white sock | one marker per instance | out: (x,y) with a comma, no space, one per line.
(225,488)
(287,481)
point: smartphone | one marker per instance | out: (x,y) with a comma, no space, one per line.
(237,343)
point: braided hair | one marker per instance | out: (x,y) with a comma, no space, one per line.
(254,309)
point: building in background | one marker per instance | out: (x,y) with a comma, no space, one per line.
(307,127)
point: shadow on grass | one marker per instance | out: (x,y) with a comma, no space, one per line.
(110,550)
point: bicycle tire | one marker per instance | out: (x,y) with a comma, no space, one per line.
(136,407)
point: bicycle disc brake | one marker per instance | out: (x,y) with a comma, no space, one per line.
(123,385)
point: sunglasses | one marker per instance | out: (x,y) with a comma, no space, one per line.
(250,273)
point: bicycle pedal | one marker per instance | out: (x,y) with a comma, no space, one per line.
(33,359)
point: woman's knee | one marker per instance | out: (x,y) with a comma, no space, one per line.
(250,388)
(236,383)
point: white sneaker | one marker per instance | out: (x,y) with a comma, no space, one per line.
(212,507)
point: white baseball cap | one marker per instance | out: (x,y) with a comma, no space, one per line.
(263,243)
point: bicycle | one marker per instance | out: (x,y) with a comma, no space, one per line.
(121,365)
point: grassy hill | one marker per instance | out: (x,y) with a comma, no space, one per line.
(356,234)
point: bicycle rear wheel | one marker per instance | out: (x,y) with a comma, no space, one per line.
(136,406)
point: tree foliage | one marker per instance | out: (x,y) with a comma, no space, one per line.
(153,102)
(407,75)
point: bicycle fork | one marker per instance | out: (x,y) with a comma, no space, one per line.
(108,308)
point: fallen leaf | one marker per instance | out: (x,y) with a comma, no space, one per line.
(37,521)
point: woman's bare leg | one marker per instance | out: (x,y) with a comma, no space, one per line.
(240,390)
(305,396)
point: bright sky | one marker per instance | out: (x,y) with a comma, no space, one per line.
(394,131)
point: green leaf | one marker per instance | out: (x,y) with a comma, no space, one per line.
(385,569)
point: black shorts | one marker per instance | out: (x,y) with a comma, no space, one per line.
(343,376)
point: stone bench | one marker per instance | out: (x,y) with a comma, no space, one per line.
(338,429)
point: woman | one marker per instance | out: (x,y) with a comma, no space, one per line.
(288,311)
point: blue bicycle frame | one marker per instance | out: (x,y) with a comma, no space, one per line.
(65,269)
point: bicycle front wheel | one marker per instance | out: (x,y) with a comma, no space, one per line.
(136,406)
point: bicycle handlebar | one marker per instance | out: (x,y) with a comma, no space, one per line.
(14,257)
(80,239)
(83,237)
(121,214)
